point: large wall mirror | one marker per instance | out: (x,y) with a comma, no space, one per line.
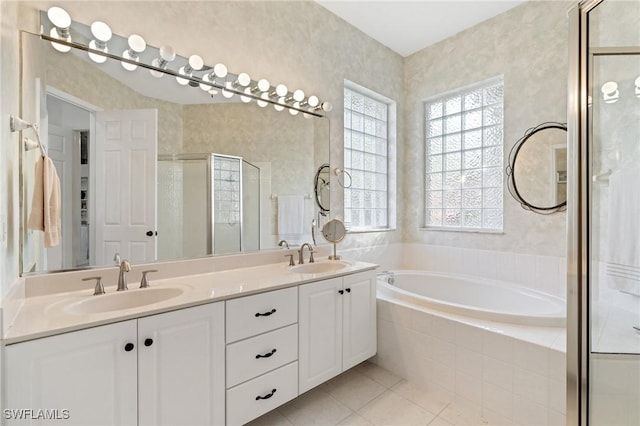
(199,174)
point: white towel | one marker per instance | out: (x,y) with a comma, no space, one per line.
(291,216)
(45,207)
(623,261)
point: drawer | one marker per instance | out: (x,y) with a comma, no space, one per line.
(252,399)
(255,356)
(251,315)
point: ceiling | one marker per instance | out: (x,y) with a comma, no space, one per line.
(409,26)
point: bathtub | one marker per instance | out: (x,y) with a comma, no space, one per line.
(474,297)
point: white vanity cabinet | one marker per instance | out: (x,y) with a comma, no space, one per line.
(164,369)
(337,326)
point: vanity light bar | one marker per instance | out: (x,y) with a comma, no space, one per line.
(213,80)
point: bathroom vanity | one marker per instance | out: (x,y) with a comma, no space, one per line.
(230,347)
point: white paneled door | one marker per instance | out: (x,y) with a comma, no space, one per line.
(125,175)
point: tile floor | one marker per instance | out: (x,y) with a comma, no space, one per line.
(369,395)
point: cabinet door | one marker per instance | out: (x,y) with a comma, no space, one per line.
(181,367)
(87,372)
(359,338)
(320,328)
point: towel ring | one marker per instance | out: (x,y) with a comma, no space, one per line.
(340,174)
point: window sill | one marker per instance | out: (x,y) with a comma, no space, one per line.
(368,231)
(468,231)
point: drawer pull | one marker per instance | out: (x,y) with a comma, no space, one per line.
(267,396)
(341,291)
(348,290)
(266,314)
(267,355)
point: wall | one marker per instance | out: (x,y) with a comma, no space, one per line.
(528,44)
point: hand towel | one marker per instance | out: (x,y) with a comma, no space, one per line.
(290,215)
(45,207)
(623,227)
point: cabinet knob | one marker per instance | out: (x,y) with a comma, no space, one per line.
(129,347)
(266,314)
(348,290)
(341,291)
(267,355)
(267,396)
(148,342)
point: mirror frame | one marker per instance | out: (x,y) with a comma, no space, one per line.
(331,222)
(323,210)
(511,169)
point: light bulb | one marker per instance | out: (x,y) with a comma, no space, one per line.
(244,79)
(226,93)
(59,17)
(293,111)
(102,34)
(167,54)
(264,85)
(204,86)
(281,90)
(277,106)
(326,106)
(637,83)
(246,99)
(263,104)
(136,46)
(298,95)
(195,63)
(313,101)
(220,70)
(59,47)
(610,92)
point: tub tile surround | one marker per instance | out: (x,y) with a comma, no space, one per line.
(504,374)
(537,272)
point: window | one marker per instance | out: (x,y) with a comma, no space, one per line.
(369,156)
(464,156)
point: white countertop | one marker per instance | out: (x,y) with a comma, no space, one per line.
(46,315)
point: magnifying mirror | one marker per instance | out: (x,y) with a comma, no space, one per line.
(334,231)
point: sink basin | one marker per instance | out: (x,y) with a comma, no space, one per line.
(122,300)
(319,268)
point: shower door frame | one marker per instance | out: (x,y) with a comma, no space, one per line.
(578,208)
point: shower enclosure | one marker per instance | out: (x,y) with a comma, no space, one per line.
(603,339)
(207,204)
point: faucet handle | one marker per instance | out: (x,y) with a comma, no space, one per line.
(311,260)
(144,282)
(291,262)
(99,288)
(116,258)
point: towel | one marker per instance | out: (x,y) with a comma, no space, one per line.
(291,217)
(45,207)
(623,261)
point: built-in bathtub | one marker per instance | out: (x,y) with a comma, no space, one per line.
(474,297)
(495,348)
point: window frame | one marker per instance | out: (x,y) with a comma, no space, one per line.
(391,174)
(487,83)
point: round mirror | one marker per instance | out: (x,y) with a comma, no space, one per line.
(321,188)
(537,170)
(334,231)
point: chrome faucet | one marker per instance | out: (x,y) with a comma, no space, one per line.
(301,254)
(283,243)
(125,267)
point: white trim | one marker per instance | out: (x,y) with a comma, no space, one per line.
(71,99)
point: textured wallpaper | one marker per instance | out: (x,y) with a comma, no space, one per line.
(528,45)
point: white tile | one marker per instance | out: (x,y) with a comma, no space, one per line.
(557,419)
(497,346)
(272,418)
(383,308)
(469,362)
(497,400)
(444,352)
(531,357)
(462,414)
(469,337)
(497,419)
(562,278)
(531,386)
(392,409)
(444,376)
(353,389)
(421,321)
(546,278)
(470,261)
(451,259)
(378,374)
(498,372)
(469,388)
(528,413)
(315,407)
(355,420)
(433,401)
(558,395)
(401,315)
(557,365)
(444,329)
(439,421)
(487,263)
(422,344)
(525,269)
(506,266)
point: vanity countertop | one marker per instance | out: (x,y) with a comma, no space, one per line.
(47,315)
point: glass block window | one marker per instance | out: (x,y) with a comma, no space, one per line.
(226,183)
(464,156)
(366,155)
